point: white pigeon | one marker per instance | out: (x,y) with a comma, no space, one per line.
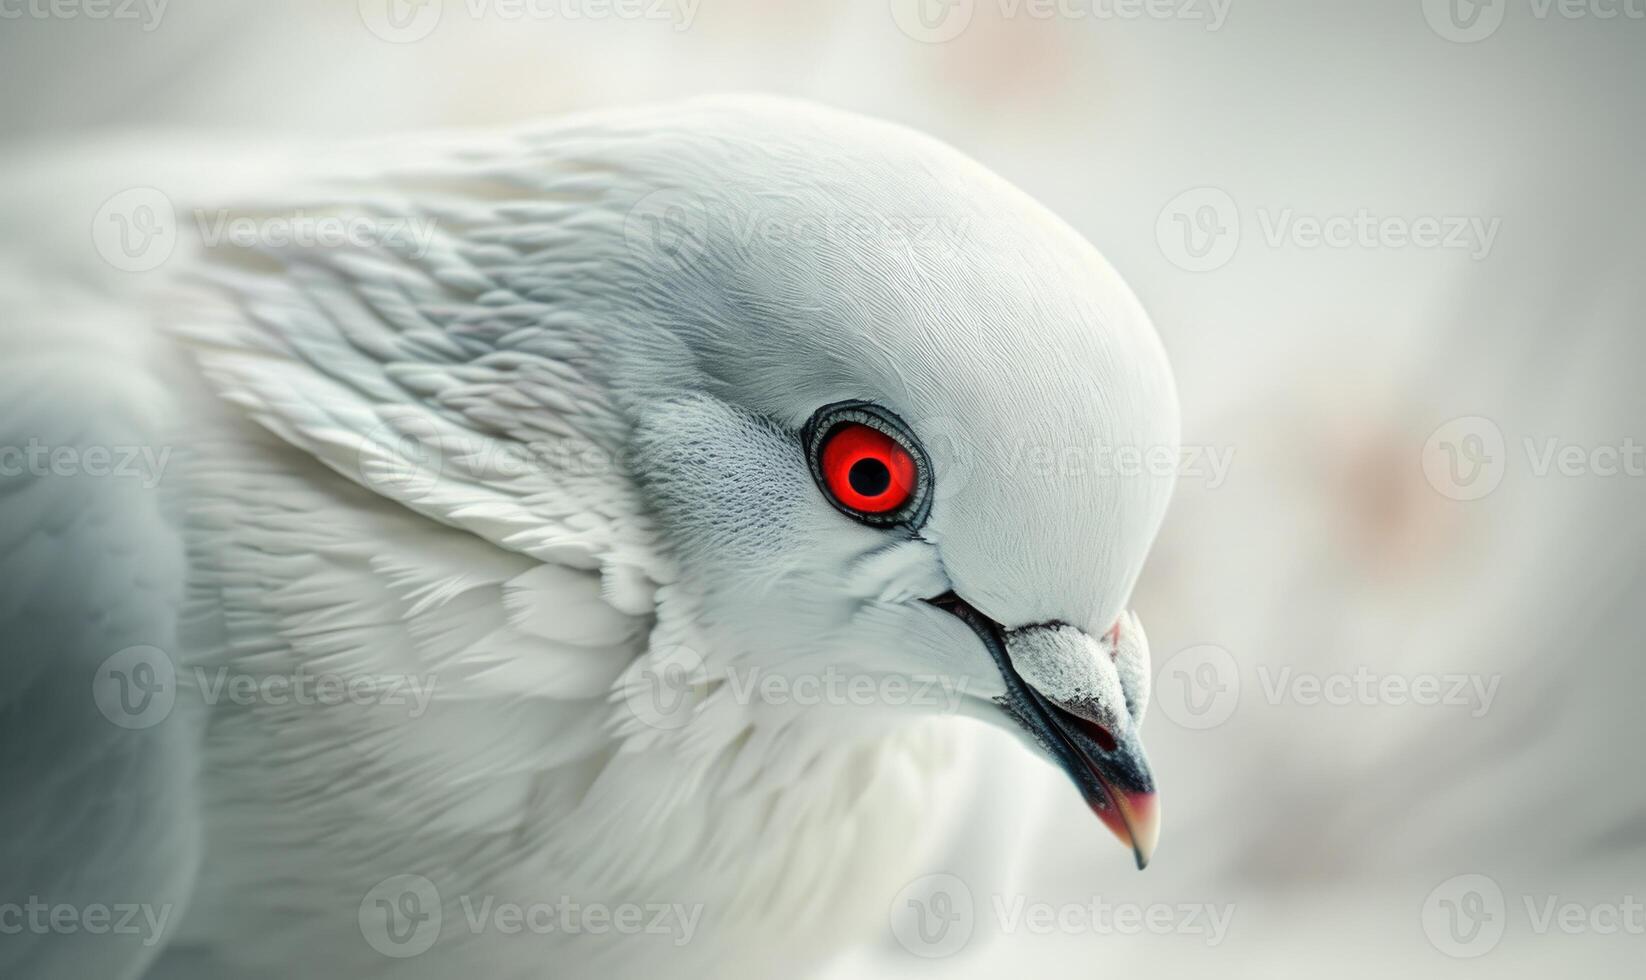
(629,512)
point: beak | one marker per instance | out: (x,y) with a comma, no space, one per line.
(1133,816)
(1111,772)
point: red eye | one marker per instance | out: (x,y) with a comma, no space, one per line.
(867,470)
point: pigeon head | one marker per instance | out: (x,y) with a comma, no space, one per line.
(900,427)
(891,438)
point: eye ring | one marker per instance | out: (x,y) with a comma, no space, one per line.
(845,419)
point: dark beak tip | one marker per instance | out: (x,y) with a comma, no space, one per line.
(1135,819)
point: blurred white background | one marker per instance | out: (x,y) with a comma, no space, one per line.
(1353,223)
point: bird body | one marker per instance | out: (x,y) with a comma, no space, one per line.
(496,579)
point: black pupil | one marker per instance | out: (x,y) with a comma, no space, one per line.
(869,477)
